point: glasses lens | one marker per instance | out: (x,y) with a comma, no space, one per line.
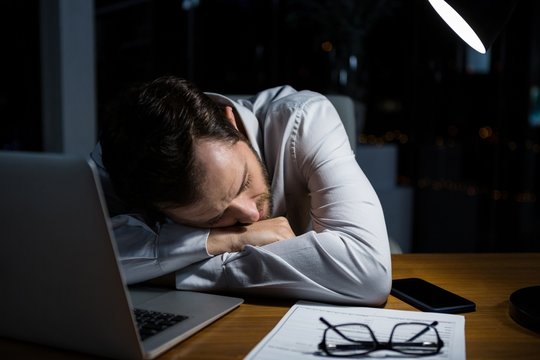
(415,339)
(349,339)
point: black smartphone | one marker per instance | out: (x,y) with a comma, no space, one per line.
(426,296)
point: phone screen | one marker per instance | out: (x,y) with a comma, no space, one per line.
(430,297)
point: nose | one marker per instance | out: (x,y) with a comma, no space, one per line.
(244,210)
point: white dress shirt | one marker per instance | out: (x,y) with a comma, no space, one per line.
(341,253)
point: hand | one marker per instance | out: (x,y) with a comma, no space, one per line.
(234,238)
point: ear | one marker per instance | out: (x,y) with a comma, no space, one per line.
(238,125)
(229,114)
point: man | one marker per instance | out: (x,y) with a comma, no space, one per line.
(259,196)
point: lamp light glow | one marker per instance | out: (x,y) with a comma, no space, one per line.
(477,22)
(458,24)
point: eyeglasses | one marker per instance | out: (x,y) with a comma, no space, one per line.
(355,339)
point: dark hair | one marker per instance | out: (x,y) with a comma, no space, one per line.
(148,138)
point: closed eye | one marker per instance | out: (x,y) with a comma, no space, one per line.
(246,184)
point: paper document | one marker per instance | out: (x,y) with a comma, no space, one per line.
(300,331)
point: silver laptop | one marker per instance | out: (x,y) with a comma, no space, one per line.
(61,283)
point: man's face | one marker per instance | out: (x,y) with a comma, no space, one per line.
(235,187)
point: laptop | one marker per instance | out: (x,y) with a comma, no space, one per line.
(61,282)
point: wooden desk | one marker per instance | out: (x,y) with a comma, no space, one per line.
(487,279)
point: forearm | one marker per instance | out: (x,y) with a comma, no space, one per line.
(147,253)
(317,267)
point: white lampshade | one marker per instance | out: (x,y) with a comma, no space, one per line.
(477,22)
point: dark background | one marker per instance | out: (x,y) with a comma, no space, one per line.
(467,144)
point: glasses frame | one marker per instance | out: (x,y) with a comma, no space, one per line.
(377,345)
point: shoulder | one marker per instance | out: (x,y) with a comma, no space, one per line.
(284,99)
(307,121)
(294,109)
(292,99)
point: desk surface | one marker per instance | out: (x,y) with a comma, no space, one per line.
(487,279)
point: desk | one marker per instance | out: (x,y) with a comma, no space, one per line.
(487,279)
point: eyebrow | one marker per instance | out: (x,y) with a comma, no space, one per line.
(240,190)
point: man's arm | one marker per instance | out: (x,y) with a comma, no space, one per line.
(147,253)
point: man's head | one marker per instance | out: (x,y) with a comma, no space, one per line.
(168,147)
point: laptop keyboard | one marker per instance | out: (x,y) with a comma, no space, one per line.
(150,323)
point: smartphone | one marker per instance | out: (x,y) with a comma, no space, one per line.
(426,296)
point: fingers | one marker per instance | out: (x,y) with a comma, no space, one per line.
(260,233)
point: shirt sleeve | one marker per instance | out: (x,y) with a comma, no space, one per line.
(146,253)
(345,258)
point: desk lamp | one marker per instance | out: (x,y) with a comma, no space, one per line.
(478,23)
